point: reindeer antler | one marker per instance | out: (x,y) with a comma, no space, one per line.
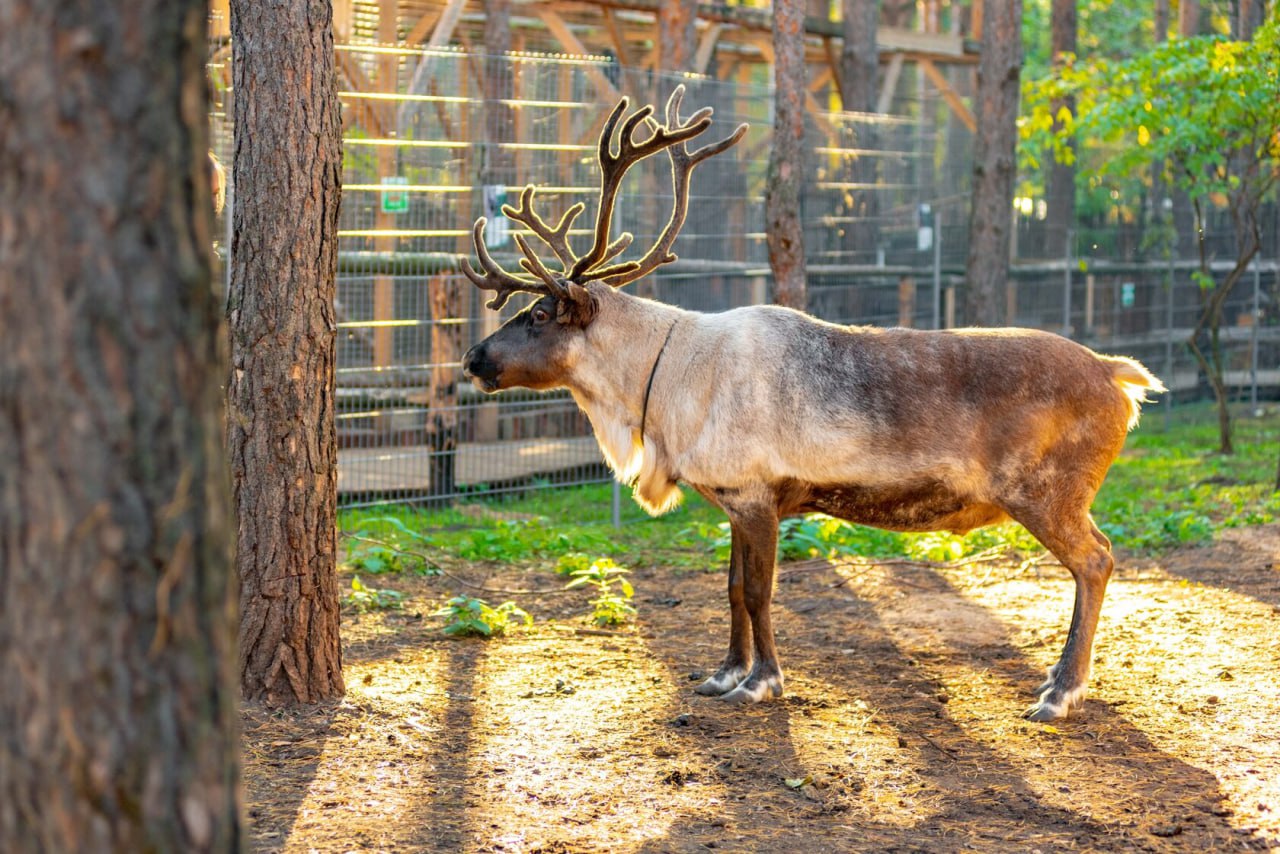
(578,270)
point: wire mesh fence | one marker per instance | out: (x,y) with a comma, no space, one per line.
(436,138)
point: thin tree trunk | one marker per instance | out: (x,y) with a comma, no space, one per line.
(1188,18)
(677,34)
(991,217)
(783,232)
(281,391)
(1060,182)
(117,609)
(859,63)
(447,298)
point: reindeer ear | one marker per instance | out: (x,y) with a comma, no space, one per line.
(578,307)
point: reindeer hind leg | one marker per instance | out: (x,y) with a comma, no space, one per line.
(1085,552)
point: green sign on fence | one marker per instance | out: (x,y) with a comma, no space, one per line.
(393,200)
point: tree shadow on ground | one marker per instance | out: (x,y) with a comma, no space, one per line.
(1242,560)
(1094,781)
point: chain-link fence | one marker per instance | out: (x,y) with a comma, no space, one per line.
(434,139)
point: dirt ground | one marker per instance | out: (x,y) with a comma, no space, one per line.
(900,730)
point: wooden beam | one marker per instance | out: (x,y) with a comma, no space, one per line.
(765,45)
(707,48)
(952,98)
(833,64)
(363,112)
(821,79)
(615,35)
(443,30)
(943,46)
(426,25)
(560,30)
(890,83)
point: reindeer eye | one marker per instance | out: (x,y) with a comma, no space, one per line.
(540,315)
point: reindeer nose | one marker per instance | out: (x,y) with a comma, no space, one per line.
(472,358)
(477,365)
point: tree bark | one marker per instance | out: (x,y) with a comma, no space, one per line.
(117,609)
(783,232)
(281,430)
(991,216)
(1060,181)
(1188,18)
(859,63)
(677,35)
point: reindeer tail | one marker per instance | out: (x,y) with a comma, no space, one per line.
(1135,381)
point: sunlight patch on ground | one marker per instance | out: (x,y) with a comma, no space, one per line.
(374,789)
(1178,677)
(858,759)
(553,697)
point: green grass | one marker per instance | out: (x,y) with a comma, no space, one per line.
(1167,489)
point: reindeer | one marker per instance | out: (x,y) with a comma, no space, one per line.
(768,412)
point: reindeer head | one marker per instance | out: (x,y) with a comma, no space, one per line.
(536,348)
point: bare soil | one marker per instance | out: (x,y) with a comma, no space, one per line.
(900,730)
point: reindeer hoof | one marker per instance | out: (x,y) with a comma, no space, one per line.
(1043,712)
(722,682)
(754,690)
(1055,703)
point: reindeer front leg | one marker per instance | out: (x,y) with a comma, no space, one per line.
(737,662)
(751,567)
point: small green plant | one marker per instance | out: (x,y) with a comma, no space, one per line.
(470,616)
(572,563)
(384,544)
(610,607)
(364,598)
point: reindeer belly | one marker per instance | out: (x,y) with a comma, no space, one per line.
(908,507)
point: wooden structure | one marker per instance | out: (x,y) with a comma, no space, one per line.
(733,40)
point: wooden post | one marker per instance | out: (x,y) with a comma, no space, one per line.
(949,308)
(446,297)
(906,302)
(384,294)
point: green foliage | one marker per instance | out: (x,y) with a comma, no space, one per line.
(387,544)
(516,539)
(363,598)
(1188,103)
(610,607)
(1165,490)
(469,616)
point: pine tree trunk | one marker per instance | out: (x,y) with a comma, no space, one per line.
(281,429)
(677,34)
(991,217)
(783,232)
(1060,182)
(117,608)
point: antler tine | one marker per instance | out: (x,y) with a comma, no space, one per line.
(534,265)
(613,167)
(557,238)
(495,279)
(682,166)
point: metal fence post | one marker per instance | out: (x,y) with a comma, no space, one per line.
(1066,286)
(1253,333)
(937,270)
(617,504)
(1168,347)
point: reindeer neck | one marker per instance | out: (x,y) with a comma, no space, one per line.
(622,345)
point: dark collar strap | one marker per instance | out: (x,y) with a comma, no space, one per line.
(644,412)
